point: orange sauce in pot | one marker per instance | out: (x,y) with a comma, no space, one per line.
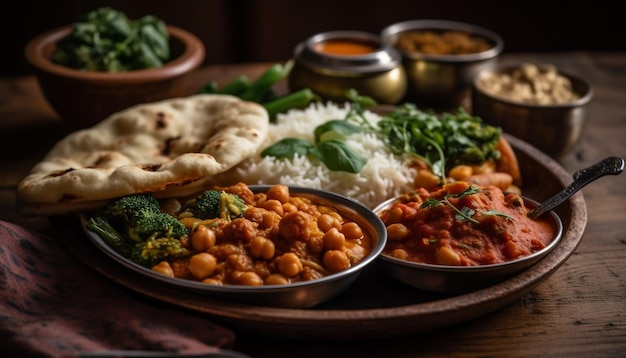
(344,47)
(498,228)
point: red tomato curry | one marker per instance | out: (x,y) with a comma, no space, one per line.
(463,225)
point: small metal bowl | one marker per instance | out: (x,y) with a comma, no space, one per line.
(553,128)
(295,295)
(462,279)
(376,72)
(442,80)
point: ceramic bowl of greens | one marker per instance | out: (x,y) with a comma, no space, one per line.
(134,61)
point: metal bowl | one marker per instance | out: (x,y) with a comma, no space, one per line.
(442,81)
(377,73)
(294,295)
(553,128)
(462,279)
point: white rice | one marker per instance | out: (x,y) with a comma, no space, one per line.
(383,176)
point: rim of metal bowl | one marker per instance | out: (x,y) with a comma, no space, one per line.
(586,94)
(344,203)
(480,268)
(390,33)
(382,59)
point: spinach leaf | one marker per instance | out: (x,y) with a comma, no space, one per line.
(337,156)
(106,40)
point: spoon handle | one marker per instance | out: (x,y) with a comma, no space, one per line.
(610,165)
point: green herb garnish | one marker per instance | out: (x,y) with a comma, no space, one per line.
(464,213)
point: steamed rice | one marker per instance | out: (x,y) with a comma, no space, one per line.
(384,175)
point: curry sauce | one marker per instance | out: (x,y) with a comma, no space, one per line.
(463,225)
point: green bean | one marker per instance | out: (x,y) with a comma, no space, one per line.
(296,99)
(235,87)
(266,81)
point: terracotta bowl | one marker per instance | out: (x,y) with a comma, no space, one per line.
(83,98)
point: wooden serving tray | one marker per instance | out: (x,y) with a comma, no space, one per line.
(375,306)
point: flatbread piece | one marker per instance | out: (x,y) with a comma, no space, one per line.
(169,148)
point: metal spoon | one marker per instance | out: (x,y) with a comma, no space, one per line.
(610,165)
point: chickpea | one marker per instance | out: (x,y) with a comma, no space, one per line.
(289,264)
(212,281)
(394,216)
(202,238)
(289,208)
(352,231)
(447,256)
(334,239)
(397,231)
(274,205)
(326,222)
(427,180)
(336,261)
(249,278)
(276,279)
(400,254)
(202,265)
(279,192)
(164,268)
(262,247)
(460,172)
(323,209)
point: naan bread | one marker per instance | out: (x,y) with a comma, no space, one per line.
(169,148)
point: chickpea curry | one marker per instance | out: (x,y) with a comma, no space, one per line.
(463,225)
(265,238)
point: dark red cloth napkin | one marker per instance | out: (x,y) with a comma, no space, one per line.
(52,305)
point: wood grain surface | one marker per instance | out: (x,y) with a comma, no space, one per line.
(580,311)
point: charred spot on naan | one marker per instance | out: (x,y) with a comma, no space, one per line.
(151,167)
(59,173)
(160,120)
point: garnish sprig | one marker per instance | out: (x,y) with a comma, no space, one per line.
(464,213)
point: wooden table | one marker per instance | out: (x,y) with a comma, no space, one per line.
(579,311)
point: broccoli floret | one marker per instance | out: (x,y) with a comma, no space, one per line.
(135,227)
(156,249)
(206,205)
(110,235)
(148,224)
(146,251)
(121,211)
(213,204)
(231,206)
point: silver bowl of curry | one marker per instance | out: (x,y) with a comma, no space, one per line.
(289,247)
(463,238)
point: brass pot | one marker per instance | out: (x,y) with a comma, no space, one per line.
(376,71)
(442,80)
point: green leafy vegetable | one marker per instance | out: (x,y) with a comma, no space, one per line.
(107,41)
(337,156)
(443,142)
(329,148)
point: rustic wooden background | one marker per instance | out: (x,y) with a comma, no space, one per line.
(240,31)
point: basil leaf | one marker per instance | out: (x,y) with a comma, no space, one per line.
(336,128)
(288,148)
(337,156)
